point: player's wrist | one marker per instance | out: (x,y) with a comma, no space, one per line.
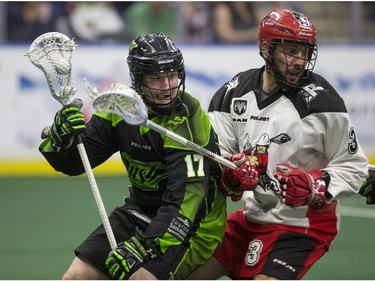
(228,188)
(318,190)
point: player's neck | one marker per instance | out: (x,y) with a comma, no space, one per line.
(268,83)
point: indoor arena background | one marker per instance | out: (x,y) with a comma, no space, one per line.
(44,215)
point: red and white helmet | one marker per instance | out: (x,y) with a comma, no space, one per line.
(286,26)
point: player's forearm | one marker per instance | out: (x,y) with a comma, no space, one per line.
(65,161)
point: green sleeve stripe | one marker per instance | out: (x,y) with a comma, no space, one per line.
(195,193)
(46,146)
(166,241)
(114,118)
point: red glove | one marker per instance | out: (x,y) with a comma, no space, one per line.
(300,189)
(234,182)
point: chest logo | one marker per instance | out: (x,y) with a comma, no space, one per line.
(239,107)
(144,175)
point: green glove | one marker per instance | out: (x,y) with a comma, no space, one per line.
(126,259)
(130,256)
(69,121)
(368,188)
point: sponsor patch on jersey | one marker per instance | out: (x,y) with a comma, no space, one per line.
(179,227)
(239,110)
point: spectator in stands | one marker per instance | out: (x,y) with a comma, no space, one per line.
(262,8)
(235,22)
(196,22)
(150,17)
(94,21)
(28,20)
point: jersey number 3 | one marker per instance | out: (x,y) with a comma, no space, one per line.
(191,171)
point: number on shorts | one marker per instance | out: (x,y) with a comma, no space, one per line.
(255,247)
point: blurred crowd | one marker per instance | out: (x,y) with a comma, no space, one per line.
(184,21)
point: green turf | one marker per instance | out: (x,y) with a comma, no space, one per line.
(43,219)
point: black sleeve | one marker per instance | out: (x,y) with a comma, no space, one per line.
(99,140)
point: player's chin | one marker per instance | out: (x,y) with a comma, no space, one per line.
(294,79)
(163,101)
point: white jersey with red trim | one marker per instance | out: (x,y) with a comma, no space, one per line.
(308,127)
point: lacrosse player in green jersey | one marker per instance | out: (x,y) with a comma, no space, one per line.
(174,217)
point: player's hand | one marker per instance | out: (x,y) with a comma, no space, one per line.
(126,259)
(300,189)
(69,121)
(234,182)
(368,188)
(130,256)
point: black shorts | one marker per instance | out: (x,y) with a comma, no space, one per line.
(179,260)
(95,248)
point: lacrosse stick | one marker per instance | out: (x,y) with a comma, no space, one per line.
(51,53)
(123,100)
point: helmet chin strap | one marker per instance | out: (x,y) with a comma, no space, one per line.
(283,85)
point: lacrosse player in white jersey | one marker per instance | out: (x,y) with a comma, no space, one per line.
(291,126)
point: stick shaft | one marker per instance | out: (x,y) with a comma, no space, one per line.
(56,46)
(201,150)
(98,198)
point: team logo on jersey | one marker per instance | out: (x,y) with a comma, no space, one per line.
(144,175)
(309,93)
(231,85)
(258,155)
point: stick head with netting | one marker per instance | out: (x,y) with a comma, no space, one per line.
(122,100)
(51,53)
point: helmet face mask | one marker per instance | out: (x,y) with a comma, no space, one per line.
(157,72)
(291,63)
(160,89)
(287,32)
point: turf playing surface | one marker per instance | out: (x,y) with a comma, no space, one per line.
(44,218)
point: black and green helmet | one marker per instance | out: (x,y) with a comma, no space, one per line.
(155,54)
